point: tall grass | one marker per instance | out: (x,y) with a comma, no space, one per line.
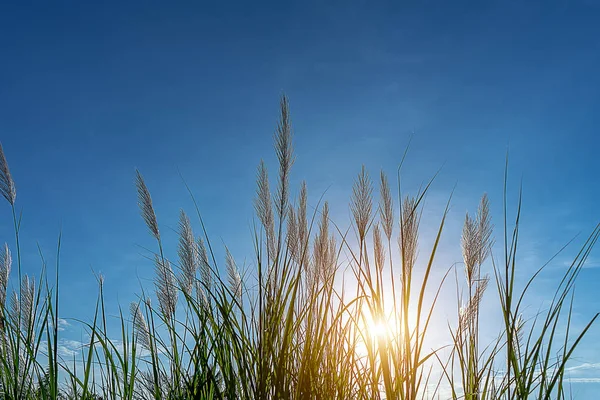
(324,312)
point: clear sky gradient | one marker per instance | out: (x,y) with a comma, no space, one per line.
(89,91)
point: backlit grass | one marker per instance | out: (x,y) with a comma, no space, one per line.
(293,326)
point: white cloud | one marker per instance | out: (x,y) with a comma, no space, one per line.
(63,324)
(584,366)
(69,348)
(583,380)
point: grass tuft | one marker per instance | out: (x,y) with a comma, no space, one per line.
(318,314)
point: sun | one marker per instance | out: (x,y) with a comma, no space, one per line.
(373,332)
(378,329)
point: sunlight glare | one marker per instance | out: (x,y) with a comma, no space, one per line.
(379,329)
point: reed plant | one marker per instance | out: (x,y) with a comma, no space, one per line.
(323,311)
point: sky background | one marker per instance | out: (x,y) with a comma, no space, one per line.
(90,91)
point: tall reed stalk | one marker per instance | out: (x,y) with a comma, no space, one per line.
(322,312)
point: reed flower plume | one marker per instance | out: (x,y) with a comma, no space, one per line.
(476,241)
(519,332)
(14,311)
(409,237)
(302,219)
(188,254)
(324,250)
(470,249)
(201,296)
(153,387)
(142,332)
(386,206)
(469,313)
(263,207)
(285,155)
(5,265)
(297,227)
(7,185)
(145,204)
(292,233)
(27,304)
(166,287)
(485,228)
(362,202)
(332,257)
(233,275)
(204,266)
(378,248)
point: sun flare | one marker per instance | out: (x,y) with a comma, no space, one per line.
(378,329)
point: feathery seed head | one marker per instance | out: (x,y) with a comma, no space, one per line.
(324,249)
(331,259)
(362,203)
(205,273)
(409,234)
(5,265)
(302,219)
(470,249)
(235,281)
(7,185)
(201,295)
(469,313)
(263,207)
(485,228)
(519,331)
(140,326)
(292,234)
(285,154)
(476,240)
(188,253)
(27,304)
(166,287)
(145,204)
(386,206)
(15,308)
(378,248)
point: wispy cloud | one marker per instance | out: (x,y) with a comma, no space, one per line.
(63,324)
(584,366)
(583,380)
(69,348)
(590,262)
(72,348)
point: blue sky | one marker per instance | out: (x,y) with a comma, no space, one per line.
(90,91)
